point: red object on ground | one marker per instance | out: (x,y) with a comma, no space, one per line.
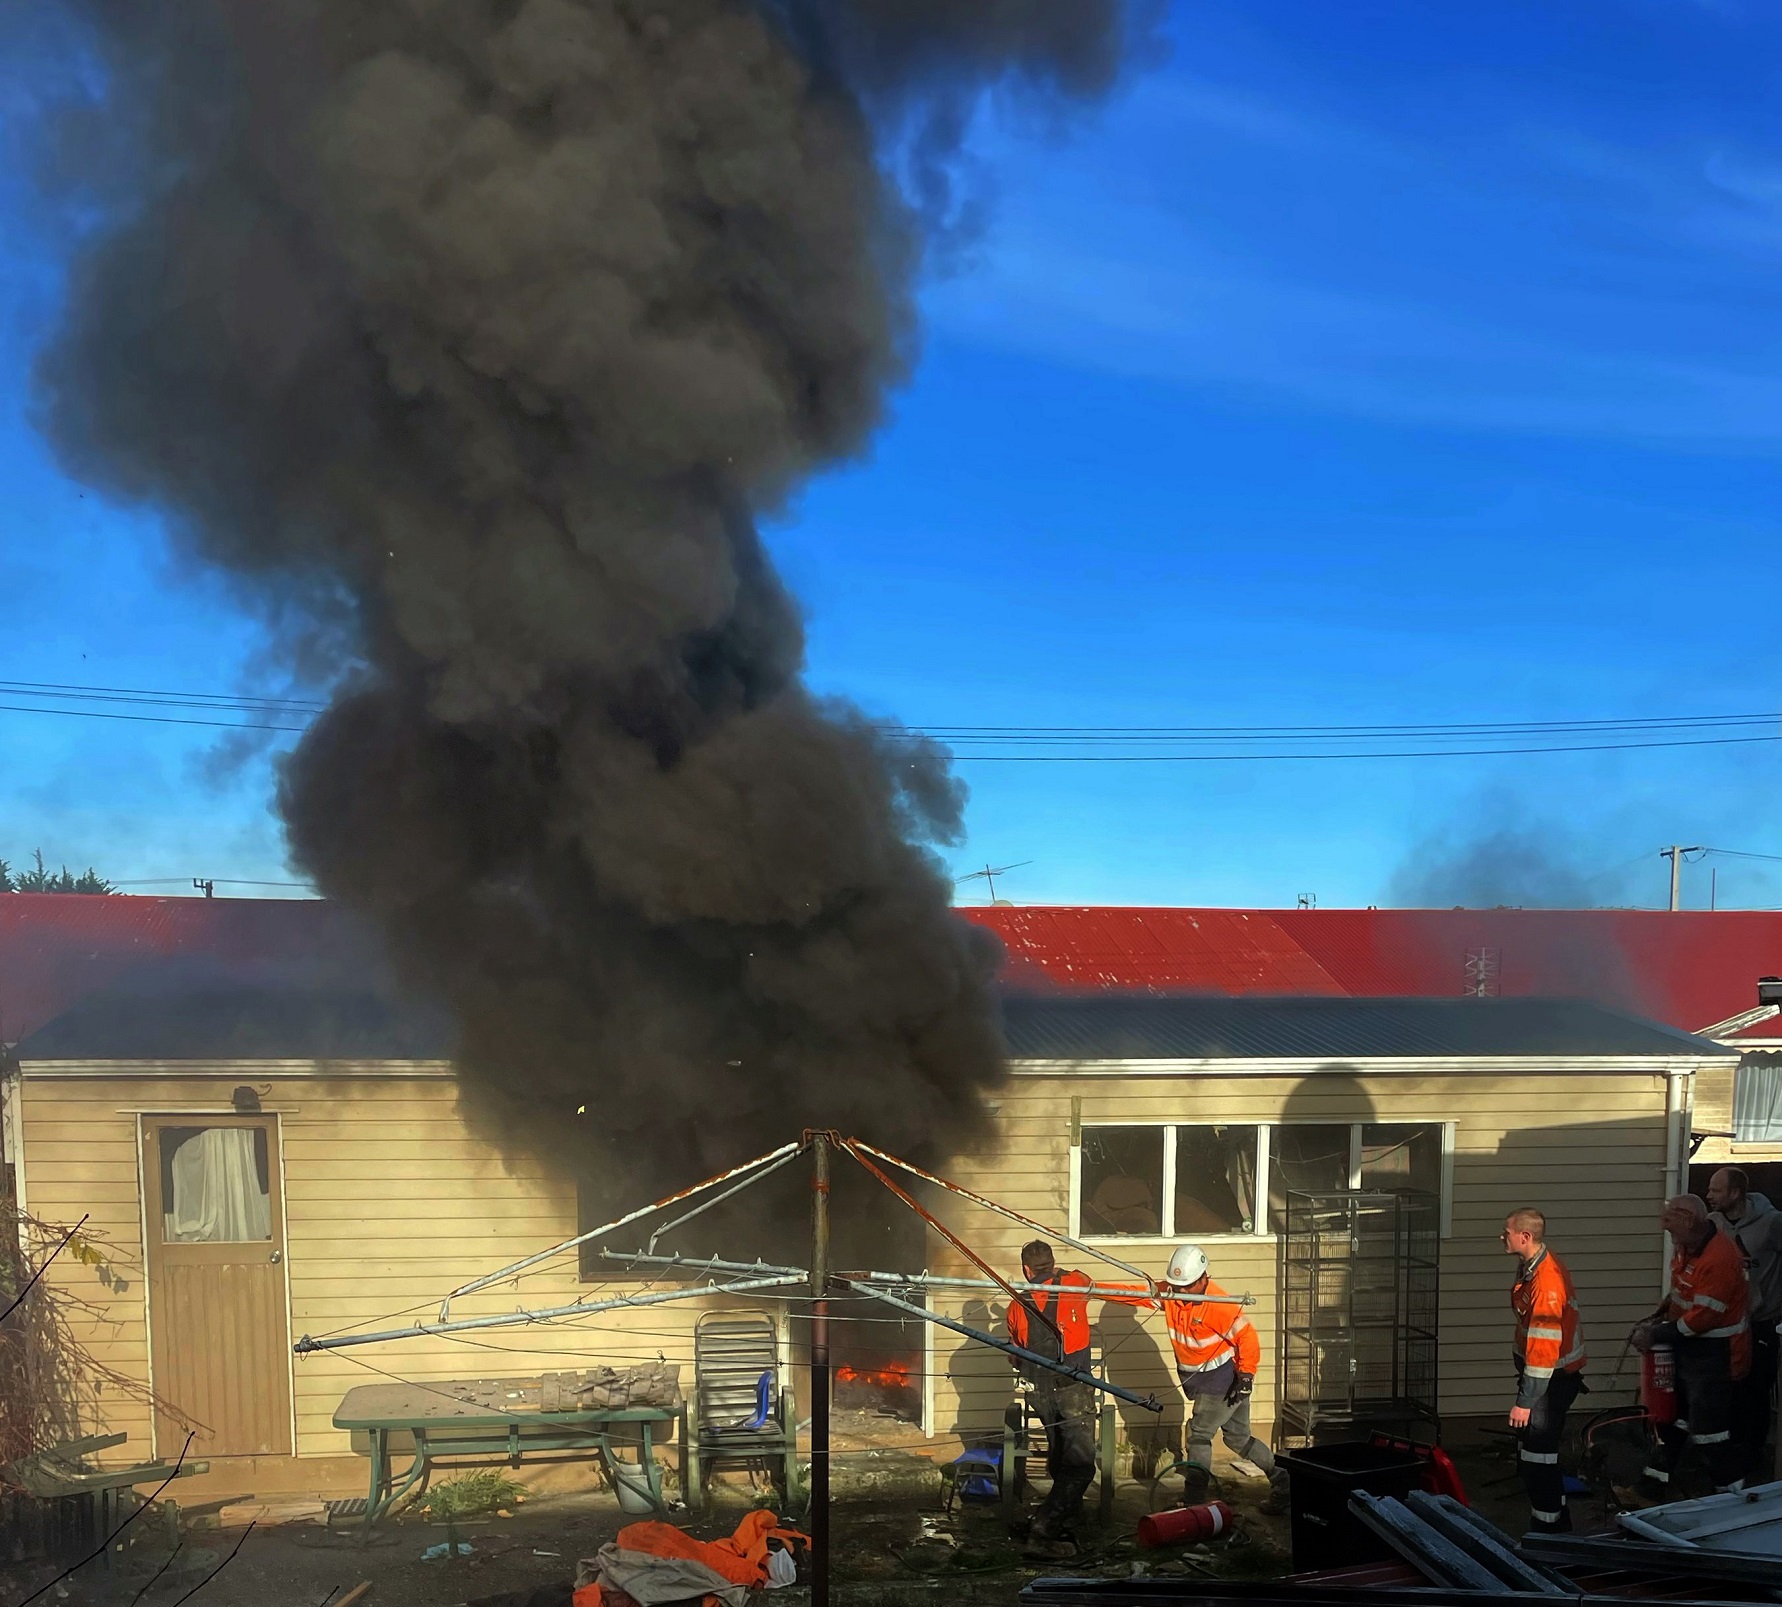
(1658,1384)
(1440,1475)
(1183,1525)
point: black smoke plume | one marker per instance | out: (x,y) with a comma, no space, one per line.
(472,337)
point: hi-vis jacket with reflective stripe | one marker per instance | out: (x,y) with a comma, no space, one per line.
(1207,1336)
(1709,1296)
(1549,1334)
(1068,1311)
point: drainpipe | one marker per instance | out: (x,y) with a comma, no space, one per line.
(1677,1089)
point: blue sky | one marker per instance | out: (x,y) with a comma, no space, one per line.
(1360,364)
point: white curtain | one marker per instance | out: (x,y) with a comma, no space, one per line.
(216,1189)
(1757,1101)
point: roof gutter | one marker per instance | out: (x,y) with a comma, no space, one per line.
(1393,1066)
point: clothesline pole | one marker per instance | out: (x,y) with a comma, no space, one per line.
(820,1382)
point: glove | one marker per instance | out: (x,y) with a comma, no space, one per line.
(1240,1388)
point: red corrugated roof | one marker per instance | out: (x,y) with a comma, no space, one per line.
(1211,951)
(1769,1027)
(1690,970)
(56,948)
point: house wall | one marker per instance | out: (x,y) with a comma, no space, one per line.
(389,1202)
(1713,1114)
(1588,1149)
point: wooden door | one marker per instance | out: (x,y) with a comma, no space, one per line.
(214,1214)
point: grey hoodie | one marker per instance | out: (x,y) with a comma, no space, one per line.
(1758,1234)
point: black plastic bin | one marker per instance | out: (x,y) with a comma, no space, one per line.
(1326,1534)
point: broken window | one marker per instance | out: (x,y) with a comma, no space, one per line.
(1122,1183)
(1402,1156)
(1306,1158)
(1159,1181)
(1215,1180)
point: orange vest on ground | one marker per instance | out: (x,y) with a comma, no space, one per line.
(1068,1310)
(1709,1297)
(742,1559)
(1549,1333)
(1206,1336)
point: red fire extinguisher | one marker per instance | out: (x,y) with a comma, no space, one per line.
(1183,1525)
(1658,1384)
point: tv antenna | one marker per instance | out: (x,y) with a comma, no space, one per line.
(989,874)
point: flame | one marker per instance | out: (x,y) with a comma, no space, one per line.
(895,1376)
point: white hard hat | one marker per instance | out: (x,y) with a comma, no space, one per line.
(1188,1265)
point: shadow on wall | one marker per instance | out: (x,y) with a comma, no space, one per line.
(1141,1360)
(1589,1152)
(970,1365)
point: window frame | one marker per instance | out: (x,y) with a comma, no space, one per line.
(1746,1139)
(1265,1132)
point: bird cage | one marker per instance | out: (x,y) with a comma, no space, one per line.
(1359,1290)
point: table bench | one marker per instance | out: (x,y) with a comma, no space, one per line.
(490,1422)
(59,1474)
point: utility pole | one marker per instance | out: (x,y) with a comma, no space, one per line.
(819,1518)
(1675,855)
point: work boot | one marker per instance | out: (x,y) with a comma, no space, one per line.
(1560,1525)
(1278,1502)
(1196,1481)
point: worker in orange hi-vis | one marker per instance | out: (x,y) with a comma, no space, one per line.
(1217,1358)
(1053,1322)
(1549,1364)
(1704,1321)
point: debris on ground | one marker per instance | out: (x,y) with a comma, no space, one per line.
(472,1495)
(445,1549)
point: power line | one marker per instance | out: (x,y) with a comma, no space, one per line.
(1257,758)
(1011,744)
(148,719)
(120,694)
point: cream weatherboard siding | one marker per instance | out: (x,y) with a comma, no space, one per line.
(389,1201)
(1712,1115)
(1588,1147)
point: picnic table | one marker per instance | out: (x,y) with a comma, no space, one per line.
(487,1422)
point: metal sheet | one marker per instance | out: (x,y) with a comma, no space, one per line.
(1743,1522)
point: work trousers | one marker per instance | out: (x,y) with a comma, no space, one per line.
(1705,1393)
(1214,1415)
(1539,1457)
(1068,1412)
(1754,1398)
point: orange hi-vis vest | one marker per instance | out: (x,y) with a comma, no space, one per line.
(1207,1336)
(1069,1312)
(1549,1334)
(1709,1297)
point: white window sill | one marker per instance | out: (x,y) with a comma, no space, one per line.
(1157,1240)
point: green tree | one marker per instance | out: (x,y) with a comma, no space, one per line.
(40,879)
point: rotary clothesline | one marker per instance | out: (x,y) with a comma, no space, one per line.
(894,1289)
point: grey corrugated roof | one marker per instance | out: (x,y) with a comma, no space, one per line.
(1153,1027)
(227,1019)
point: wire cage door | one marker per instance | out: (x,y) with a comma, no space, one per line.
(1359,1289)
